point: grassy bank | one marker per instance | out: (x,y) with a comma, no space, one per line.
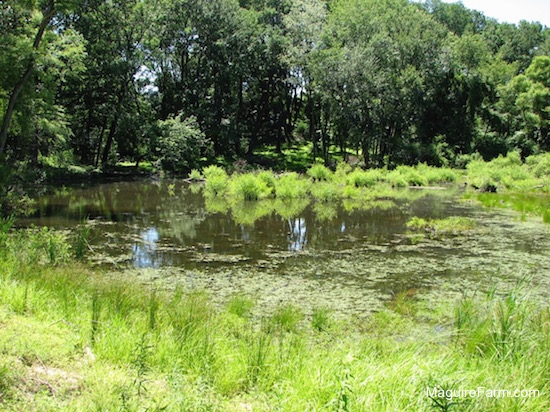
(73,341)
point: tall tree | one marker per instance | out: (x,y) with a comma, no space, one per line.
(18,21)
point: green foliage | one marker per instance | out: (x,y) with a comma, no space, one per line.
(268,177)
(412,176)
(180,143)
(500,327)
(321,319)
(450,225)
(362,178)
(539,165)
(503,172)
(195,175)
(81,245)
(319,172)
(326,191)
(240,306)
(284,85)
(291,186)
(216,180)
(5,225)
(286,318)
(249,187)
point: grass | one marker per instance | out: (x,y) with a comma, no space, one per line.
(451,225)
(73,341)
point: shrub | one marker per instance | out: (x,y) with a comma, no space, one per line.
(342,170)
(325,191)
(268,177)
(216,180)
(291,186)
(249,187)
(436,174)
(195,175)
(539,165)
(362,178)
(412,176)
(180,143)
(319,172)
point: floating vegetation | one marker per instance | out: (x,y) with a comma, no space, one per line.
(449,226)
(528,204)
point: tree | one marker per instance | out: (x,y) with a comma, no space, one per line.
(180,144)
(16,21)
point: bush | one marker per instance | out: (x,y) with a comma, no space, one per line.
(325,191)
(195,175)
(249,187)
(362,178)
(180,143)
(216,180)
(539,165)
(319,172)
(412,176)
(291,186)
(342,170)
(268,177)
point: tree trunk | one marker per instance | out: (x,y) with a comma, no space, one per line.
(48,14)
(109,142)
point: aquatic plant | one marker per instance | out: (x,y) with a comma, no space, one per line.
(81,245)
(363,178)
(412,175)
(249,187)
(290,208)
(342,170)
(436,174)
(326,191)
(450,225)
(325,210)
(268,177)
(286,318)
(246,213)
(240,305)
(529,204)
(396,179)
(290,186)
(195,175)
(319,172)
(216,180)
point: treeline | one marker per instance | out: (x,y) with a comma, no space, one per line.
(94,82)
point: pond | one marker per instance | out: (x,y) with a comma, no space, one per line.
(351,256)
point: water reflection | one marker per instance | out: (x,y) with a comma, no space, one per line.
(297,236)
(145,252)
(167,223)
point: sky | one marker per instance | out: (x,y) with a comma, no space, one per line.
(511,11)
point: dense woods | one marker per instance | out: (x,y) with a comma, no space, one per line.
(95,82)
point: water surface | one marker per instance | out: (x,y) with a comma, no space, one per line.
(352,256)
